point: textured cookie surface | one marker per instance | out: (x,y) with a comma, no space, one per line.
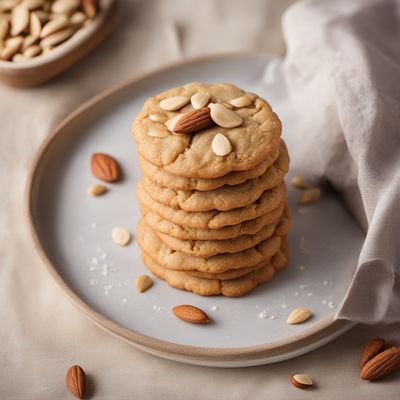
(153,246)
(162,178)
(256,139)
(225,197)
(249,227)
(209,248)
(215,219)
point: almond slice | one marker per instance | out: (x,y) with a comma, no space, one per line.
(298,315)
(29,41)
(242,101)
(174,103)
(221,145)
(121,236)
(224,117)
(301,381)
(142,283)
(199,100)
(19,20)
(190,314)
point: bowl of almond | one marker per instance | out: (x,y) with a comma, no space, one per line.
(39,39)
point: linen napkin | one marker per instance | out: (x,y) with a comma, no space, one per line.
(342,74)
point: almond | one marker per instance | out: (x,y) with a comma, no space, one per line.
(54,26)
(242,101)
(301,381)
(309,196)
(121,236)
(18,58)
(32,51)
(171,123)
(142,283)
(35,25)
(190,314)
(298,315)
(299,183)
(4,27)
(174,103)
(194,121)
(382,364)
(199,100)
(221,146)
(97,190)
(224,117)
(156,117)
(65,6)
(76,381)
(32,4)
(77,18)
(105,167)
(12,47)
(372,348)
(90,8)
(157,130)
(57,38)
(19,20)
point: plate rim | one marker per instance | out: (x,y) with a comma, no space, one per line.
(328,326)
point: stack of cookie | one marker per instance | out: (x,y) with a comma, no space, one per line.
(212,193)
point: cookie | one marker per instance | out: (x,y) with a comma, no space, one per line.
(267,202)
(162,178)
(249,227)
(153,246)
(224,198)
(278,261)
(207,287)
(209,248)
(255,140)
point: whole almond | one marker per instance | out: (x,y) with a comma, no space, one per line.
(242,101)
(54,26)
(142,283)
(299,183)
(194,121)
(90,8)
(224,117)
(309,196)
(190,314)
(35,26)
(105,167)
(371,349)
(382,364)
(298,315)
(76,381)
(19,20)
(32,51)
(221,146)
(199,100)
(11,48)
(121,236)
(97,190)
(174,103)
(156,117)
(301,381)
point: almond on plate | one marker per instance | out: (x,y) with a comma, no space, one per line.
(105,167)
(190,314)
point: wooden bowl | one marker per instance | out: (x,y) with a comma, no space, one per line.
(36,71)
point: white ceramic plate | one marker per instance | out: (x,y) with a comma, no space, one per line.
(72,234)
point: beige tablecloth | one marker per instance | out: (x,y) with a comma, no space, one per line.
(41,334)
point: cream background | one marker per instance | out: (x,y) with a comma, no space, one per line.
(41,334)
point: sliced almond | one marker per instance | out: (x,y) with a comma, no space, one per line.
(19,20)
(158,131)
(298,315)
(142,283)
(121,236)
(97,190)
(65,6)
(32,51)
(171,123)
(57,38)
(77,18)
(224,117)
(199,100)
(4,28)
(161,118)
(18,58)
(221,145)
(301,381)
(190,314)
(32,4)
(299,183)
(242,101)
(174,103)
(29,41)
(309,196)
(35,26)
(54,26)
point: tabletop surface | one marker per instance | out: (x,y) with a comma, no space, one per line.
(41,333)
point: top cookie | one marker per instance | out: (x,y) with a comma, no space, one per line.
(255,138)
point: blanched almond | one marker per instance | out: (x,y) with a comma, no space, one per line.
(242,101)
(32,51)
(142,283)
(157,130)
(174,103)
(121,236)
(298,315)
(309,196)
(54,26)
(224,117)
(299,183)
(4,27)
(77,18)
(19,20)
(18,58)
(57,38)
(161,118)
(32,4)
(97,190)
(301,381)
(221,145)
(65,6)
(35,26)
(199,100)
